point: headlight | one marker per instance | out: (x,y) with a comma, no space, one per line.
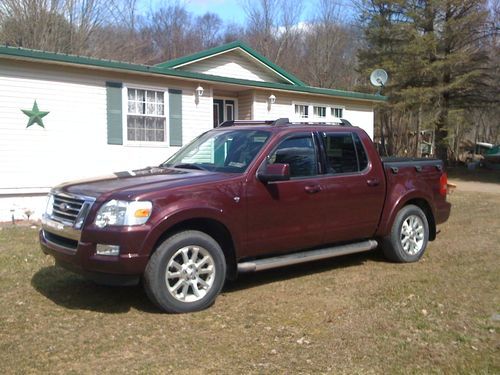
(117,212)
(50,205)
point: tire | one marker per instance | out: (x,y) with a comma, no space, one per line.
(185,273)
(409,236)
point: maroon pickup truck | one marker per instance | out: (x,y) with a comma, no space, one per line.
(246,196)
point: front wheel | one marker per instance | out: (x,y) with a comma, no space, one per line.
(409,236)
(186,272)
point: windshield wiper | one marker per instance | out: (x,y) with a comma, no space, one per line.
(190,166)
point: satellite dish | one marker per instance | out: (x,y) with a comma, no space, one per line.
(378,77)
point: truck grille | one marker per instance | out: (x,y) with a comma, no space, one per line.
(66,209)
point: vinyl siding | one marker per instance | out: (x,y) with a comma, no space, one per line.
(359,115)
(245,105)
(73,144)
(233,64)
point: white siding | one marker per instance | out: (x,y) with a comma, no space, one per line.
(73,144)
(357,114)
(234,64)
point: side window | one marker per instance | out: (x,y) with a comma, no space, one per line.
(341,153)
(363,159)
(299,152)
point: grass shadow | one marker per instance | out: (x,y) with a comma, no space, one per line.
(476,175)
(255,279)
(74,292)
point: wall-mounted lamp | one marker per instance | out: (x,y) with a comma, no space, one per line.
(270,101)
(199,91)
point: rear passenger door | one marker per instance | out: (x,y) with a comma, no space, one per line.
(353,188)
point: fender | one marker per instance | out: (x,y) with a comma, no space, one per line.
(392,207)
(188,210)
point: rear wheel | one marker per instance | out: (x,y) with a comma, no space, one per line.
(186,272)
(409,236)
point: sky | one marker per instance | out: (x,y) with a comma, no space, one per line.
(228,10)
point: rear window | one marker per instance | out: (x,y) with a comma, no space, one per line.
(345,153)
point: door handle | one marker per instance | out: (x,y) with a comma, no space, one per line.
(311,189)
(373,182)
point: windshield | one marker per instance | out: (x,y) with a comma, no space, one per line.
(230,150)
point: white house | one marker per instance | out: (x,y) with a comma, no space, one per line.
(65,117)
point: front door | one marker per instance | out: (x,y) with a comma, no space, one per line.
(224,110)
(283,216)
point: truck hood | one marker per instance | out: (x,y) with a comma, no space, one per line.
(137,181)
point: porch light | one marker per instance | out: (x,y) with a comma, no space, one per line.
(271,99)
(199,91)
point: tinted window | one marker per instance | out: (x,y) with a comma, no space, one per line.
(300,153)
(362,158)
(341,151)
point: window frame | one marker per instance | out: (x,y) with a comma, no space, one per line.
(333,108)
(324,158)
(317,151)
(126,142)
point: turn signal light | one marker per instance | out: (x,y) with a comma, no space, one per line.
(142,213)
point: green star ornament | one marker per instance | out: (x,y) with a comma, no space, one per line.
(35,115)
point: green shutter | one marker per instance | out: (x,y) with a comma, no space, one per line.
(114,109)
(175,117)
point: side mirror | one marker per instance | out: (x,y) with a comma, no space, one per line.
(274,172)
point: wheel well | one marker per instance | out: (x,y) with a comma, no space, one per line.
(214,229)
(426,208)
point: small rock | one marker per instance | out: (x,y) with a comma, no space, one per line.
(274,352)
(491,330)
(495,317)
(424,312)
(267,328)
(302,341)
(474,348)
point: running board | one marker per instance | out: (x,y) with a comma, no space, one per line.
(306,256)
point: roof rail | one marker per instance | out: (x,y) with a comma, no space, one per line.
(282,121)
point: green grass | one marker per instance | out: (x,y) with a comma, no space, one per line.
(354,314)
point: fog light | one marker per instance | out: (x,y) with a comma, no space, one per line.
(111,250)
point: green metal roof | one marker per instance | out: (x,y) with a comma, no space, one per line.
(228,47)
(82,61)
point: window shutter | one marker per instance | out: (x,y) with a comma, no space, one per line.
(175,117)
(114,110)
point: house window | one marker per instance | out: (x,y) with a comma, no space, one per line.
(146,121)
(337,112)
(319,111)
(301,111)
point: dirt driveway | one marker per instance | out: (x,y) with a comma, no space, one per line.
(475,186)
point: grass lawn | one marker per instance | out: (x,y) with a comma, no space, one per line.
(354,314)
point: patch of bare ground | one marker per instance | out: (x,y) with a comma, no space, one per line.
(354,314)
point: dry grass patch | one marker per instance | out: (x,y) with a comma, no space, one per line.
(355,314)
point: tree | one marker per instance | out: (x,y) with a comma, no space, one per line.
(436,54)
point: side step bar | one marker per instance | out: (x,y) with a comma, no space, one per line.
(306,256)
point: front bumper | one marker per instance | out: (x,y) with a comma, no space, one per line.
(80,257)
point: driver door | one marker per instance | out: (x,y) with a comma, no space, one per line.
(283,216)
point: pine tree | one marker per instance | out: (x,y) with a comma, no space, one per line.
(437,59)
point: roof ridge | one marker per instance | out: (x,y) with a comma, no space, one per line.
(227,47)
(139,68)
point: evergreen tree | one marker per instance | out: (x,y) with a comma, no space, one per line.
(436,55)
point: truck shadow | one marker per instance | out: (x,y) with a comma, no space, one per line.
(74,292)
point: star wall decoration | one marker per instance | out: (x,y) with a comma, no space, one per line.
(35,115)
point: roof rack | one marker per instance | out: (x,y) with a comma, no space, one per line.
(281,121)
